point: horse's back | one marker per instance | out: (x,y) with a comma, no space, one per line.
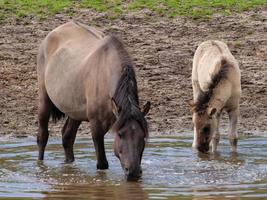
(64,51)
(71,36)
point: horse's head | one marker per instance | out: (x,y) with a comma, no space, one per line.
(205,124)
(129,144)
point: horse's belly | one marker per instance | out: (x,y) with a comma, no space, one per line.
(78,115)
(69,103)
(70,107)
(65,87)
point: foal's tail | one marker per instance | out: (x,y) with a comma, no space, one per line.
(56,114)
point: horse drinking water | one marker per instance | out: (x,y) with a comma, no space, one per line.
(88,76)
(216,86)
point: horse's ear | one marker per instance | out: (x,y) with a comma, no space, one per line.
(146,108)
(191,104)
(114,107)
(211,111)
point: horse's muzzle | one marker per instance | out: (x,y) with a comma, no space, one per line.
(133,174)
(204,147)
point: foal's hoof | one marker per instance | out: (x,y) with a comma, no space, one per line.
(102,165)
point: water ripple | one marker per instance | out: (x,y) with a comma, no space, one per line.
(170,169)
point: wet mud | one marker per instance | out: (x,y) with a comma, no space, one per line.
(162,50)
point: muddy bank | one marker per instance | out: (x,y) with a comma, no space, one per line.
(162,50)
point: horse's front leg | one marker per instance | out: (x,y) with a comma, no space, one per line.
(98,133)
(69,132)
(233,136)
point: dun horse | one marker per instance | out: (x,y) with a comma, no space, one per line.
(216,86)
(88,76)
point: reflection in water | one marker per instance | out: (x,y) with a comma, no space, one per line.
(171,170)
(231,158)
(126,190)
(68,181)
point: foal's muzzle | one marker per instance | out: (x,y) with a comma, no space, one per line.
(204,147)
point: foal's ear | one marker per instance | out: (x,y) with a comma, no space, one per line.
(114,107)
(191,104)
(146,108)
(211,111)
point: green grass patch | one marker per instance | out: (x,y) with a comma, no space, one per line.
(115,8)
(202,8)
(112,7)
(38,8)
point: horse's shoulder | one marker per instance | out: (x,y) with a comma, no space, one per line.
(106,45)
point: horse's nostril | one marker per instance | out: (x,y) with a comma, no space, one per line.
(126,170)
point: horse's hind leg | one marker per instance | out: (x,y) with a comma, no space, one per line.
(44,111)
(69,132)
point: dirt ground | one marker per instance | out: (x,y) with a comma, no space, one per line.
(162,50)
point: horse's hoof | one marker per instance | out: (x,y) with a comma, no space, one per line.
(102,165)
(41,156)
(69,160)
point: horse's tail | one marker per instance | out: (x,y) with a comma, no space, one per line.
(56,114)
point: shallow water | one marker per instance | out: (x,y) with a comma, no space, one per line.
(171,170)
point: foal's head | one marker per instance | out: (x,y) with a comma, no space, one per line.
(130,140)
(205,124)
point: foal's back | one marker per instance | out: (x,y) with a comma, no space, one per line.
(207,63)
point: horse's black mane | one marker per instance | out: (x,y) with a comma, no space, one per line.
(126,94)
(204,97)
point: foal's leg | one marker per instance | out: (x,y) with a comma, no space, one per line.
(194,145)
(196,93)
(44,111)
(69,131)
(98,132)
(233,136)
(216,137)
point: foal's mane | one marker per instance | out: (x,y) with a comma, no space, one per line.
(126,93)
(205,97)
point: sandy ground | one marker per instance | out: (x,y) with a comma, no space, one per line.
(162,50)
